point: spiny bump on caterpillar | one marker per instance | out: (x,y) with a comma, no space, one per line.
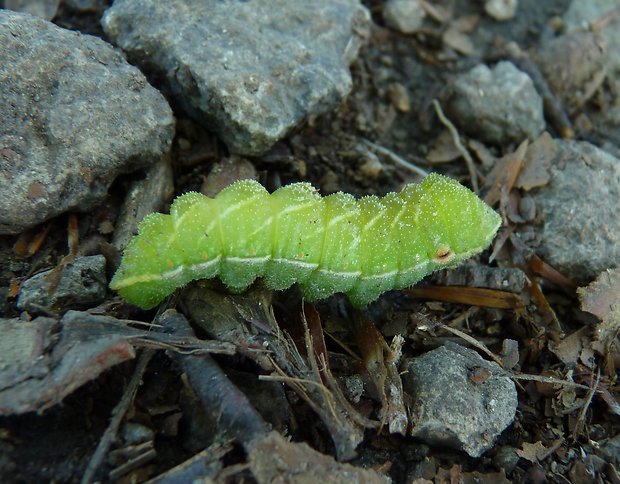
(361,247)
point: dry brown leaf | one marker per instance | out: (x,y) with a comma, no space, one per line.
(540,267)
(14,286)
(458,41)
(381,364)
(313,320)
(602,298)
(510,353)
(43,361)
(570,348)
(475,296)
(535,170)
(532,452)
(483,153)
(504,173)
(466,24)
(443,150)
(29,243)
(437,12)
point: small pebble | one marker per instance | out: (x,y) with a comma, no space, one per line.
(527,208)
(501,9)
(399,97)
(405,16)
(371,168)
(81,283)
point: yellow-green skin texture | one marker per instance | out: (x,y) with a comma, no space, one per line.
(361,247)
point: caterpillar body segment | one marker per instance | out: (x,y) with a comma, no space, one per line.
(362,247)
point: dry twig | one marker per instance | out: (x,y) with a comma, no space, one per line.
(457,142)
(394,158)
(117,417)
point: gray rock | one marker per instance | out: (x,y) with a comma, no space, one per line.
(85,5)
(610,448)
(74,116)
(578,16)
(405,16)
(250,71)
(580,206)
(144,196)
(498,105)
(499,278)
(81,283)
(452,408)
(45,9)
(135,433)
(22,343)
(577,19)
(575,66)
(506,458)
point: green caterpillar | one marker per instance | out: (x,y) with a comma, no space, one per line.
(361,247)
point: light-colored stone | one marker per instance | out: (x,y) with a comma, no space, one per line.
(501,9)
(498,105)
(249,71)
(405,16)
(581,228)
(75,115)
(451,407)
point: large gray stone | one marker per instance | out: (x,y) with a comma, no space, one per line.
(580,211)
(250,71)
(498,105)
(459,399)
(575,66)
(580,14)
(74,115)
(85,5)
(45,9)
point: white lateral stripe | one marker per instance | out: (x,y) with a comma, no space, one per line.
(390,274)
(297,263)
(385,275)
(346,275)
(203,266)
(247,260)
(172,274)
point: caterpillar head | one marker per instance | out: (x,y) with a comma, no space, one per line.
(459,223)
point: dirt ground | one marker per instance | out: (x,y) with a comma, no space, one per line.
(212,420)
